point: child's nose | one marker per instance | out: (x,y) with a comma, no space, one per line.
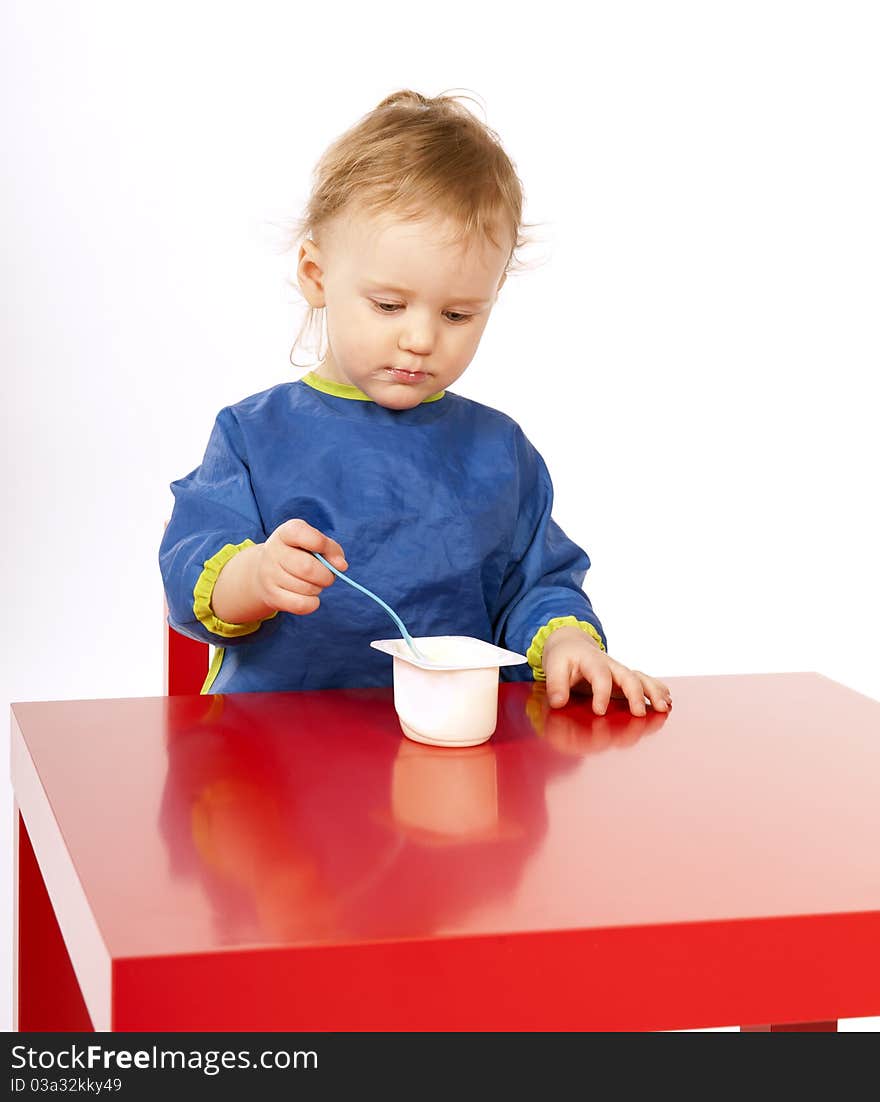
(417,337)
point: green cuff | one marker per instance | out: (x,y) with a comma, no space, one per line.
(204,589)
(536,649)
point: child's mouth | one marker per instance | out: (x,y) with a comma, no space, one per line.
(406,376)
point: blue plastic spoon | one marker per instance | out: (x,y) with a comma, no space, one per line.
(379,601)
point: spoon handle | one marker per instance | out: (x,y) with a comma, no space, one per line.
(406,635)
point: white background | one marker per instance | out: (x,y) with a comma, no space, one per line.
(694,350)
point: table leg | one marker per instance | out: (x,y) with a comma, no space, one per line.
(792,1027)
(47,996)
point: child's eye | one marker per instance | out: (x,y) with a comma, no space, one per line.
(454,316)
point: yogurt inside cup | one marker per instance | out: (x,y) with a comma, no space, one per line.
(451,700)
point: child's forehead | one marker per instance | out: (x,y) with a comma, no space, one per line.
(371,240)
(390,230)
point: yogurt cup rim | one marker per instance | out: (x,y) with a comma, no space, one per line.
(495,656)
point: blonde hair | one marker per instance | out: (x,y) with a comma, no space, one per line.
(420,158)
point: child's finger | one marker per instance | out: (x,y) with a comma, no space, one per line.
(602,684)
(657,693)
(296,603)
(631,684)
(298,533)
(332,552)
(288,594)
(293,580)
(558,675)
(303,566)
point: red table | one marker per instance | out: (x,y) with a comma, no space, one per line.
(290,862)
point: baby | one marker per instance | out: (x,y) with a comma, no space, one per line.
(442,504)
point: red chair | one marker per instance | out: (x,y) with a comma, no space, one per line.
(186,662)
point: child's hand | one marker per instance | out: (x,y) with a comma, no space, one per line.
(290,579)
(573,660)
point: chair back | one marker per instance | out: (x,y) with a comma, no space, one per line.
(186,663)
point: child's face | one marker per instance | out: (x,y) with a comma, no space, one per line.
(399,301)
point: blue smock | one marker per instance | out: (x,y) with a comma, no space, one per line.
(443,511)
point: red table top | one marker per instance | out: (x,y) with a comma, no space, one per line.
(199,825)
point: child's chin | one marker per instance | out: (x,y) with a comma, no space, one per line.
(399,398)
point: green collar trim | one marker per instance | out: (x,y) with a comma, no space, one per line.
(345,390)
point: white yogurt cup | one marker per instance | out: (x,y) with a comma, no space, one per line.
(451,700)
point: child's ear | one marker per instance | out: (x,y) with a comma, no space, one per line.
(310,273)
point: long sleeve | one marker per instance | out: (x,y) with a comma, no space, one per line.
(545,570)
(215,515)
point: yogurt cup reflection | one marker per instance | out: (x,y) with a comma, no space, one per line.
(442,796)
